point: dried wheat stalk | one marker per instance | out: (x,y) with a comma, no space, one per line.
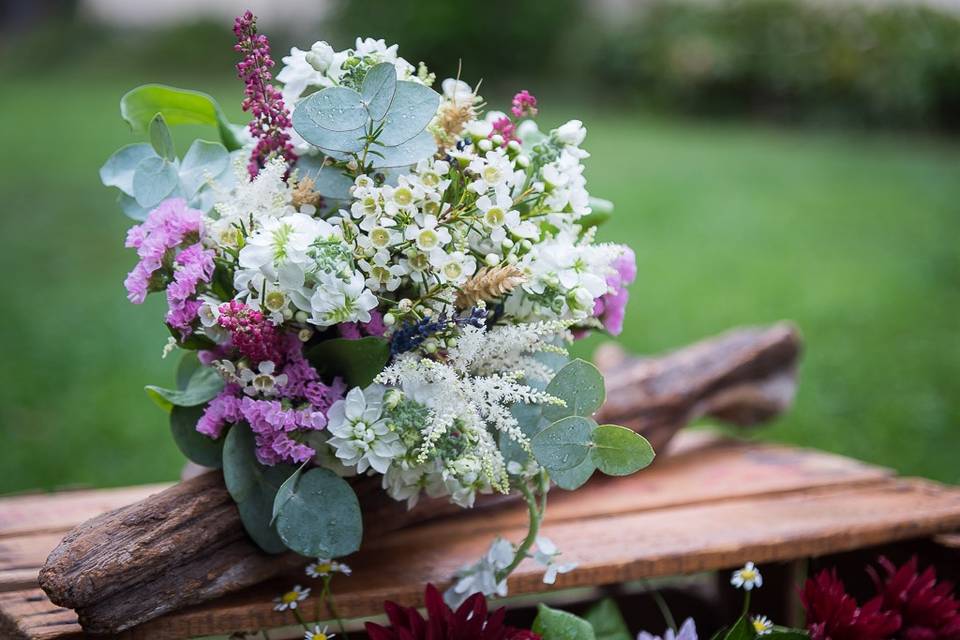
(489,283)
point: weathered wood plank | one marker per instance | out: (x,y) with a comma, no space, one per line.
(661,542)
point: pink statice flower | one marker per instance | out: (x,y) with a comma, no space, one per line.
(271,119)
(250,332)
(611,307)
(524,105)
(193,266)
(357,330)
(505,128)
(166,228)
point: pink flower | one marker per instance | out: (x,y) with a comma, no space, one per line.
(524,104)
(505,128)
(251,333)
(271,120)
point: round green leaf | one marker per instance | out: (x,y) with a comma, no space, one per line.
(253,486)
(554,624)
(153,180)
(618,451)
(580,385)
(357,361)
(204,384)
(574,478)
(189,364)
(378,90)
(423,145)
(178,106)
(564,444)
(322,516)
(414,106)
(203,161)
(332,109)
(118,169)
(197,447)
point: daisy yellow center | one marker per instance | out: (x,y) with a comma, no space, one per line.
(452,270)
(759,625)
(319,636)
(324,568)
(403,196)
(275,300)
(748,574)
(494,216)
(290,597)
(491,174)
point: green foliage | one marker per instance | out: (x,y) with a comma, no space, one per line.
(607,621)
(784,633)
(154,180)
(197,447)
(253,487)
(178,106)
(318,515)
(204,384)
(564,444)
(357,361)
(742,629)
(580,385)
(618,451)
(553,624)
(160,138)
(575,477)
(383,123)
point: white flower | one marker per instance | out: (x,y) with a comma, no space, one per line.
(291,599)
(382,275)
(427,235)
(747,578)
(482,576)
(499,216)
(458,91)
(687,631)
(324,567)
(335,301)
(361,437)
(492,170)
(762,625)
(318,634)
(282,239)
(572,132)
(304,69)
(456,267)
(262,381)
(546,553)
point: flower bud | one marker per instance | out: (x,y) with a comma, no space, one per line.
(305,334)
(485,144)
(300,316)
(492,259)
(389,319)
(579,299)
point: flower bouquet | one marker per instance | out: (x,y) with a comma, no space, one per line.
(375,278)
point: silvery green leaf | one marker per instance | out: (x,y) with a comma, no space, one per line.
(332,109)
(414,106)
(118,170)
(321,518)
(575,477)
(285,492)
(153,180)
(160,138)
(378,90)
(339,144)
(580,385)
(203,161)
(410,152)
(204,384)
(564,444)
(204,199)
(330,182)
(530,420)
(253,486)
(197,447)
(618,451)
(131,209)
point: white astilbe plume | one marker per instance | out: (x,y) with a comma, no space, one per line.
(266,195)
(509,348)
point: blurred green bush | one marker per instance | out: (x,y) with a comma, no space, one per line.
(893,65)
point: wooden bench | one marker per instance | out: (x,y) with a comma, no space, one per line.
(710,504)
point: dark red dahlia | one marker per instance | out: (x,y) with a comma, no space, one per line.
(470,621)
(928,610)
(833,614)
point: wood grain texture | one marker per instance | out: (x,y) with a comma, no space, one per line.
(186,545)
(711,505)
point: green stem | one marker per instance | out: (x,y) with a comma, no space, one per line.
(536,512)
(664,609)
(303,623)
(332,607)
(746,603)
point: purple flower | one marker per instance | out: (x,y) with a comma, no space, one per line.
(194,265)
(524,104)
(611,307)
(250,332)
(271,120)
(166,228)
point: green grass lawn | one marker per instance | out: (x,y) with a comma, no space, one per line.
(853,237)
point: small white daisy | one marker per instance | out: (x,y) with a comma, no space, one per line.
(747,578)
(291,599)
(762,625)
(318,634)
(324,567)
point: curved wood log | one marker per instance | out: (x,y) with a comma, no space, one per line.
(186,544)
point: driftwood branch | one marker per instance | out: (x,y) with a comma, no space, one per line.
(186,545)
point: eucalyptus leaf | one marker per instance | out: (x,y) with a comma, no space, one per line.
(178,106)
(160,138)
(378,89)
(197,447)
(321,518)
(131,209)
(333,183)
(607,621)
(530,420)
(337,144)
(188,365)
(574,478)
(154,180)
(285,492)
(554,624)
(253,486)
(204,385)
(118,170)
(564,444)
(580,385)
(334,109)
(414,106)
(423,145)
(203,161)
(619,451)
(357,361)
